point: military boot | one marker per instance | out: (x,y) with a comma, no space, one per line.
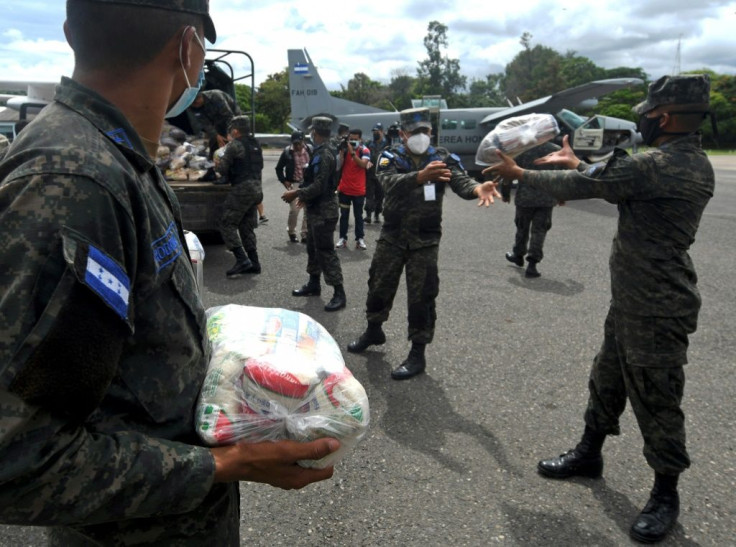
(373,336)
(515,259)
(413,365)
(378,220)
(660,513)
(531,269)
(242,263)
(584,460)
(311,288)
(256,268)
(338,301)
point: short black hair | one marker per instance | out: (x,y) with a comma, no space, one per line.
(358,132)
(121,36)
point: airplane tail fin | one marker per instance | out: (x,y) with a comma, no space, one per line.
(309,96)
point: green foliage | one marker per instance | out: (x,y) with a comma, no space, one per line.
(438,74)
(272,101)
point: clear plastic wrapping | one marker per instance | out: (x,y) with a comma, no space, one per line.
(278,374)
(516,135)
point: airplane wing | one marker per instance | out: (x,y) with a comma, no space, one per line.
(564,99)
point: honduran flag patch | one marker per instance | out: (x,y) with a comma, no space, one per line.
(106,278)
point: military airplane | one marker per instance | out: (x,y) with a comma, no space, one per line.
(461,130)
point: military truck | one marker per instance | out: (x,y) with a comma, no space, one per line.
(202,201)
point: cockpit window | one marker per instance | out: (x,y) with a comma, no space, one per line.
(570,118)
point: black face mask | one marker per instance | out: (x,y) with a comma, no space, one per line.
(376,137)
(649,129)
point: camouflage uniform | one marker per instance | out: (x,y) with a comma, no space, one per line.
(318,195)
(242,164)
(533,215)
(4,144)
(661,195)
(215,115)
(410,237)
(103,346)
(373,188)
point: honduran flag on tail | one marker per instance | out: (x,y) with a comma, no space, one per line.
(301,68)
(106,278)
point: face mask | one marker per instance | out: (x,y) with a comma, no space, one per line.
(354,144)
(649,129)
(418,143)
(190,93)
(376,137)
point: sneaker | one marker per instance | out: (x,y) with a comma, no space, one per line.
(263,219)
(293,238)
(360,244)
(341,243)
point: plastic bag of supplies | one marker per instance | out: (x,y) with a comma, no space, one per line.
(277,374)
(516,135)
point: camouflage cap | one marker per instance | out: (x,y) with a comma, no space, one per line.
(241,123)
(321,123)
(414,118)
(201,7)
(689,92)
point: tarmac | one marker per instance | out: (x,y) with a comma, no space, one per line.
(450,457)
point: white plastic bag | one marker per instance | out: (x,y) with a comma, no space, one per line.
(278,374)
(516,135)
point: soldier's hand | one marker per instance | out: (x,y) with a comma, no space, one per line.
(273,463)
(289,196)
(221,141)
(565,156)
(434,171)
(486,192)
(505,170)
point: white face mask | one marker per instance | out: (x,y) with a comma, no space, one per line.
(418,143)
(190,92)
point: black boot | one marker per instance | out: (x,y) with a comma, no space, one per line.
(373,336)
(378,220)
(256,268)
(339,300)
(242,263)
(518,260)
(660,513)
(531,269)
(413,365)
(367,218)
(312,288)
(584,460)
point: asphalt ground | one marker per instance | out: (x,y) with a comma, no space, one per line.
(450,457)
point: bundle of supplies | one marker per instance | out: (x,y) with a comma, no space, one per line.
(516,135)
(277,374)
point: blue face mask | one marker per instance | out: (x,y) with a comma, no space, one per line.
(190,93)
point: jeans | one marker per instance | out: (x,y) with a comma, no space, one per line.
(346,202)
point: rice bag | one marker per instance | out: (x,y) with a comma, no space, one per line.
(516,135)
(278,374)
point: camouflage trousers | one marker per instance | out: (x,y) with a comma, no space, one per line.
(240,215)
(538,221)
(373,194)
(321,255)
(642,360)
(422,287)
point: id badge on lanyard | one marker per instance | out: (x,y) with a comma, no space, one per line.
(430,193)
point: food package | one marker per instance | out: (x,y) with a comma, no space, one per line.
(278,374)
(516,135)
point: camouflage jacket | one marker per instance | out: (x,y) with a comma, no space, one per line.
(320,182)
(216,112)
(661,195)
(410,220)
(103,346)
(242,160)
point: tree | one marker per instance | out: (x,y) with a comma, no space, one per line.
(273,102)
(533,73)
(361,89)
(438,74)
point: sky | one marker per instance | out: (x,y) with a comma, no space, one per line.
(385,39)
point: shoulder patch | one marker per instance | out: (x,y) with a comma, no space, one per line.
(167,248)
(108,280)
(119,136)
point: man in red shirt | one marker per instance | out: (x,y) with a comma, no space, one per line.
(356,158)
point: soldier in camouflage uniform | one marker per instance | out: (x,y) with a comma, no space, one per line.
(533,216)
(414,176)
(103,344)
(661,195)
(318,195)
(214,110)
(373,188)
(241,165)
